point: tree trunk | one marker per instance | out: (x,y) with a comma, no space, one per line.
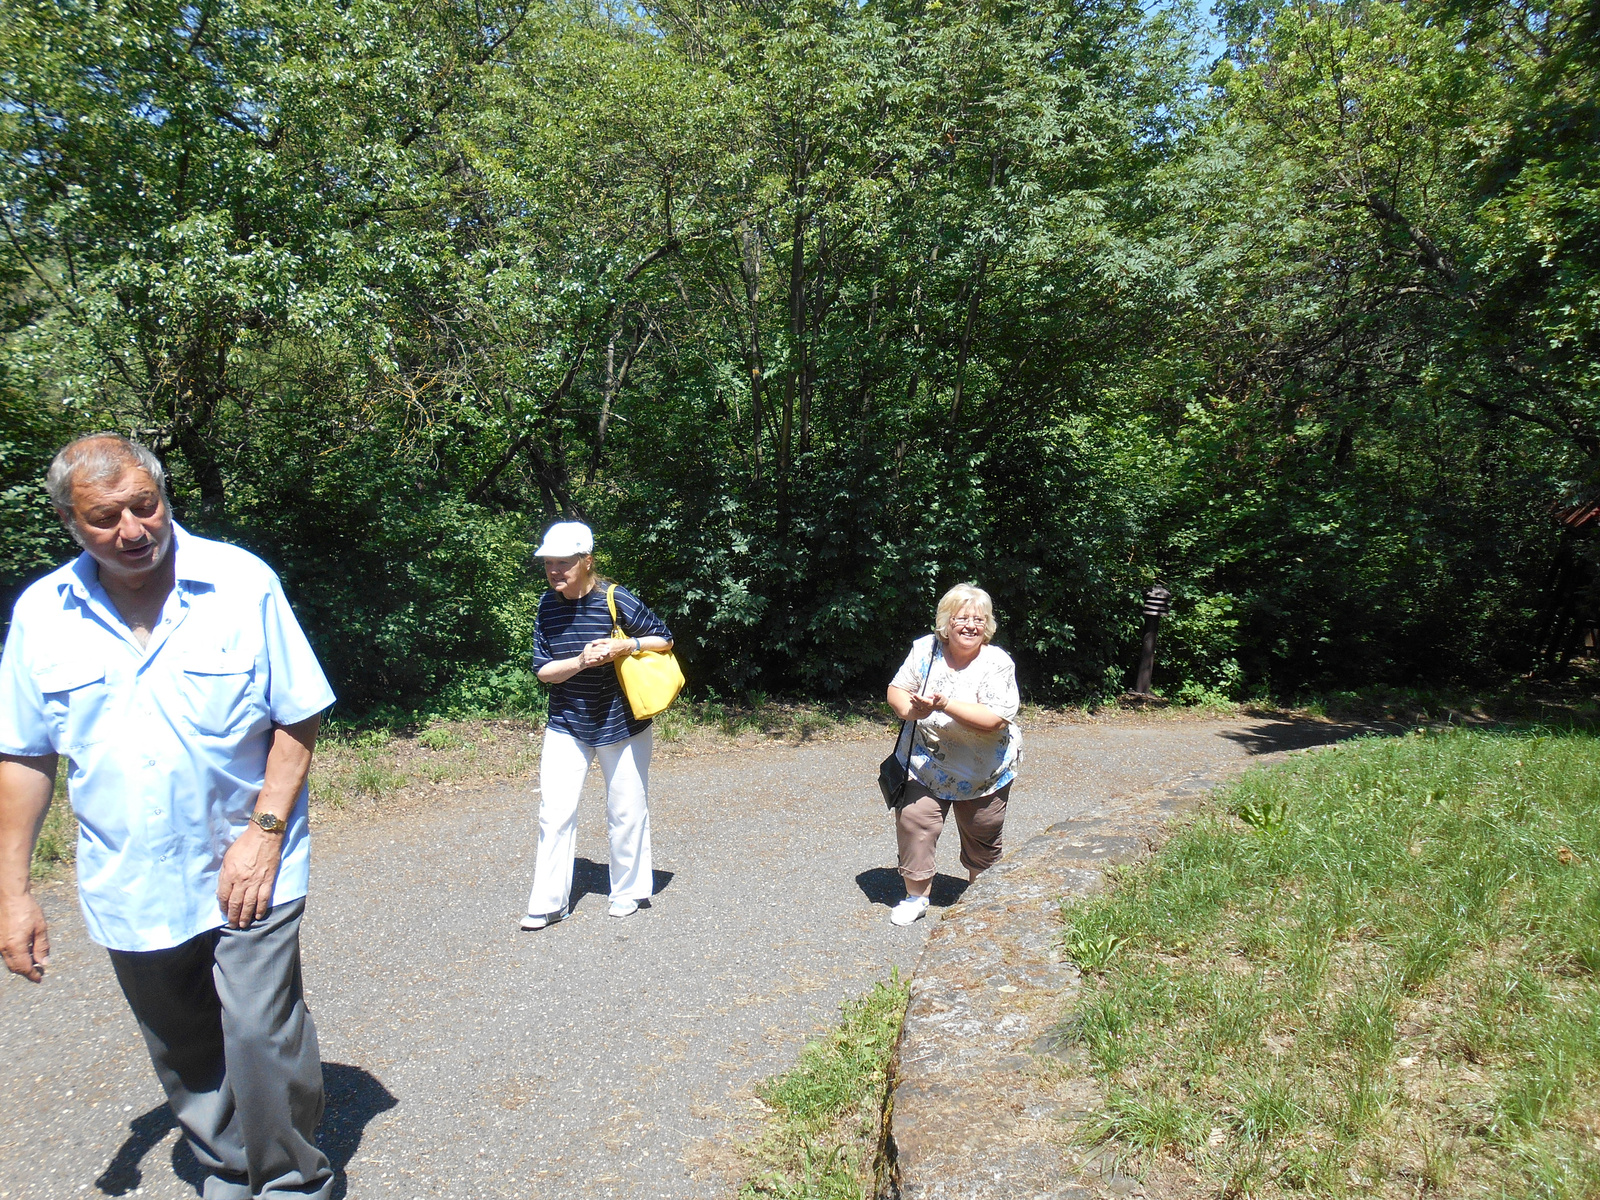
(794,384)
(615,379)
(554,483)
(974,298)
(207,472)
(797,345)
(553,403)
(198,383)
(750,271)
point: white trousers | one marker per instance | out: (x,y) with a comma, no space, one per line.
(562,766)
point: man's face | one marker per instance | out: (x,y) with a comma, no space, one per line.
(123,523)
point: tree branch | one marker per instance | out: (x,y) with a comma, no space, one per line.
(521,441)
(16,242)
(1570,430)
(614,384)
(1435,258)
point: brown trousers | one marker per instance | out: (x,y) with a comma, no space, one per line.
(920,819)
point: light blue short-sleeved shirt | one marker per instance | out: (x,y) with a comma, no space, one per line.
(168,742)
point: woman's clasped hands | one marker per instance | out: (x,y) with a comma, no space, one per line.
(604,650)
(925,706)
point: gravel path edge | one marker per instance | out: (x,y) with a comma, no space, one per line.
(967,1117)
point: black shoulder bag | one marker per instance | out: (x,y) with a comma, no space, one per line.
(894,772)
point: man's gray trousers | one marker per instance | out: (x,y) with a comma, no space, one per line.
(235,1049)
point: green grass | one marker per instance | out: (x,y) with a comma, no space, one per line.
(360,764)
(1370,971)
(827,1113)
(756,713)
(1569,703)
(58,839)
(438,738)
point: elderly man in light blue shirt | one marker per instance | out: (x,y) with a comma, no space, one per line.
(172,674)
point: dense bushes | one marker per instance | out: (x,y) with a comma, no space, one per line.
(815,310)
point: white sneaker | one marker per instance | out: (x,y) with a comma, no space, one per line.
(624,908)
(908,910)
(539,921)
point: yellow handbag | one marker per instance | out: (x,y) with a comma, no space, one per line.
(650,679)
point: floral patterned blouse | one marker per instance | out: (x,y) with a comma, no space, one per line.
(950,760)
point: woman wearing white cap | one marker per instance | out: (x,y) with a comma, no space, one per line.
(589,718)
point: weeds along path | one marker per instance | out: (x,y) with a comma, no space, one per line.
(598,1058)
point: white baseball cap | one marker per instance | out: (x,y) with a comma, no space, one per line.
(566,539)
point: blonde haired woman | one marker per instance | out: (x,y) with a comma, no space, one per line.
(962,693)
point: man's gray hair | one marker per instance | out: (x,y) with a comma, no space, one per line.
(95,458)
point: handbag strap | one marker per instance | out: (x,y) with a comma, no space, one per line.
(906,724)
(611,603)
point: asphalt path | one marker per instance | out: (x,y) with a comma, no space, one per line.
(597,1058)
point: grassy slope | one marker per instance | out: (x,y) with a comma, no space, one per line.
(827,1113)
(1373,973)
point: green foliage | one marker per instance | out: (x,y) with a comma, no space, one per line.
(1089,951)
(403,601)
(814,310)
(1384,980)
(1377,480)
(32,540)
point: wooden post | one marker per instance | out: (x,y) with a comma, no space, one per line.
(1157,603)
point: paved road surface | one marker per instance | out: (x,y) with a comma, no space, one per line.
(599,1058)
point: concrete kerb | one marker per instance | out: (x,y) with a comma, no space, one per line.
(966,1117)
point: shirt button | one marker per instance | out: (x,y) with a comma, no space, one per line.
(149,762)
(163,858)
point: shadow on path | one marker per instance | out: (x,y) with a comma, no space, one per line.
(1292,733)
(145,1132)
(883,885)
(354,1097)
(590,878)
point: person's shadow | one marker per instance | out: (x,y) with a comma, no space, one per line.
(883,885)
(354,1097)
(592,878)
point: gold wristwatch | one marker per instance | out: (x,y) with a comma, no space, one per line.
(268,822)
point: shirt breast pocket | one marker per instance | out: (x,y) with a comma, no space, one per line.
(219,692)
(76,704)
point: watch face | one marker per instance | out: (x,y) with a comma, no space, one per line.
(269,823)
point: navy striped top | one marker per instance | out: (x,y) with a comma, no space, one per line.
(590,706)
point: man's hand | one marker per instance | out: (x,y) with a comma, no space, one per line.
(24,937)
(26,785)
(249,869)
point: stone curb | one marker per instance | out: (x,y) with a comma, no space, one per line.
(965,1120)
